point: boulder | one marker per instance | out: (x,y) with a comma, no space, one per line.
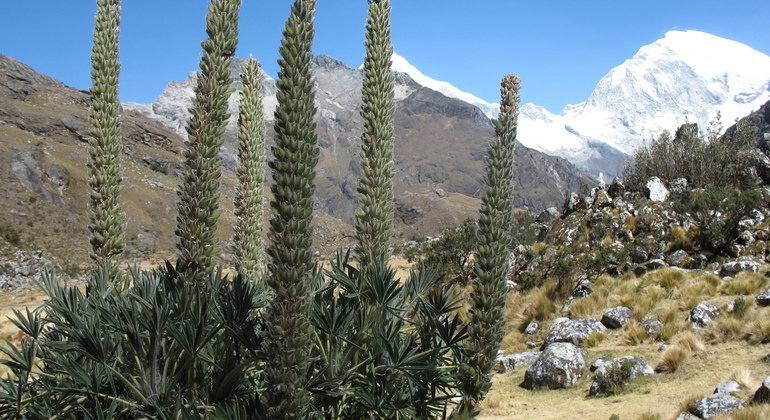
(762,396)
(687,416)
(728,388)
(702,314)
(680,258)
(734,267)
(560,365)
(711,406)
(575,331)
(616,373)
(651,325)
(656,191)
(763,299)
(617,317)
(532,328)
(515,361)
(616,188)
(678,185)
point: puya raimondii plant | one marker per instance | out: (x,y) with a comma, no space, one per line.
(106,217)
(287,335)
(198,207)
(487,301)
(250,172)
(374,221)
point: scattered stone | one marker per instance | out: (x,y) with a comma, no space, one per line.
(680,258)
(581,291)
(573,331)
(766,359)
(18,213)
(763,299)
(515,361)
(734,267)
(601,198)
(687,416)
(639,256)
(607,375)
(728,388)
(617,317)
(711,406)
(662,348)
(559,366)
(548,215)
(440,193)
(678,185)
(532,328)
(702,314)
(651,325)
(762,396)
(598,363)
(655,264)
(656,191)
(616,188)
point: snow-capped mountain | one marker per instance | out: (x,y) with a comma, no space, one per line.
(401,65)
(685,76)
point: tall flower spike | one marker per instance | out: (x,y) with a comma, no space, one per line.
(106,217)
(287,335)
(374,221)
(199,191)
(250,171)
(487,301)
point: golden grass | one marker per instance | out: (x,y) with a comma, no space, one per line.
(595,338)
(650,416)
(724,329)
(745,283)
(634,334)
(673,359)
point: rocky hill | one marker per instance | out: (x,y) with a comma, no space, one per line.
(439,163)
(440,143)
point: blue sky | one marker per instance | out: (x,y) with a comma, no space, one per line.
(561,49)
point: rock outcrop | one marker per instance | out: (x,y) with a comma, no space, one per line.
(560,365)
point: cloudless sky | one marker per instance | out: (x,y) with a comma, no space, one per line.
(561,49)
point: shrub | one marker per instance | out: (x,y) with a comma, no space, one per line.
(634,334)
(615,377)
(673,359)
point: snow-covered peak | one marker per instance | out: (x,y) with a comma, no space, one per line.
(401,65)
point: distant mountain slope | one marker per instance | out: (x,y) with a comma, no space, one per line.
(440,140)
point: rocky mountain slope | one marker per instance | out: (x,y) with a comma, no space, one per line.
(440,144)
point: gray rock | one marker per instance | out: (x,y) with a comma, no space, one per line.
(655,264)
(651,325)
(573,331)
(763,299)
(607,375)
(59,176)
(711,406)
(25,166)
(617,317)
(598,363)
(532,328)
(656,191)
(766,359)
(616,188)
(559,366)
(678,185)
(515,361)
(728,388)
(680,258)
(702,314)
(762,396)
(687,416)
(734,267)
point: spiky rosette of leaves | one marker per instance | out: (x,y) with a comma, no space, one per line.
(250,172)
(487,301)
(287,335)
(106,217)
(199,191)
(374,221)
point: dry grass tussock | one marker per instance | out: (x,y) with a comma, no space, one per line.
(634,334)
(745,284)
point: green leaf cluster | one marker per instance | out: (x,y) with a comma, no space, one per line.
(147,346)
